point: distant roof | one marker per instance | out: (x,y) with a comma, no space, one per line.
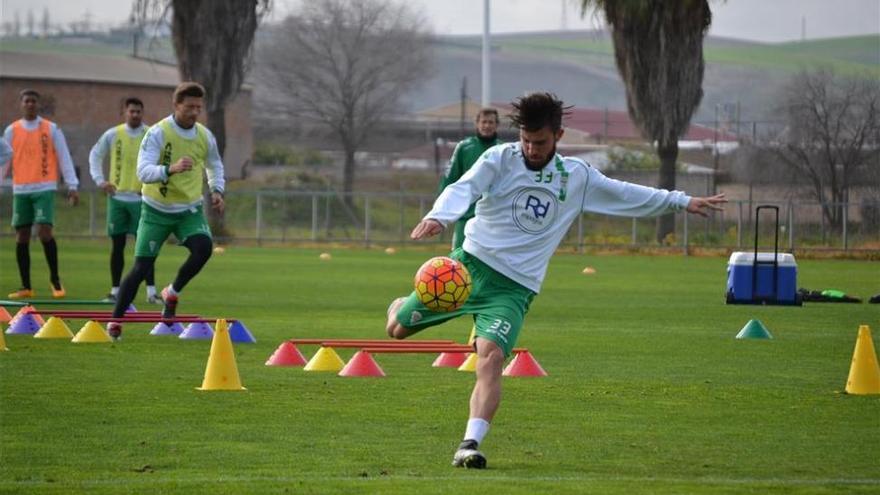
(91,68)
(612,124)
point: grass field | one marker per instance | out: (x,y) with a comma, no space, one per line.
(648,391)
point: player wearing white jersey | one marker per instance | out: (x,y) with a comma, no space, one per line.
(527,198)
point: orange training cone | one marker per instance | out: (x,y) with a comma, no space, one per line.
(325,359)
(864,372)
(362,364)
(286,355)
(55,328)
(5,317)
(221,372)
(450,360)
(524,364)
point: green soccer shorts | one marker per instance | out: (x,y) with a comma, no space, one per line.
(497,303)
(123,217)
(31,208)
(155,227)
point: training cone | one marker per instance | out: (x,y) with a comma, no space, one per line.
(362,364)
(240,334)
(3,343)
(163,328)
(286,355)
(221,372)
(754,329)
(450,360)
(23,324)
(5,317)
(27,310)
(470,363)
(55,328)
(864,372)
(473,336)
(197,331)
(325,359)
(91,333)
(524,364)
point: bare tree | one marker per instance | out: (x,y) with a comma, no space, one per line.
(345,65)
(30,23)
(212,41)
(658,47)
(833,135)
(45,25)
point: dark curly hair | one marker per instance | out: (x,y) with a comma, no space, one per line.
(534,111)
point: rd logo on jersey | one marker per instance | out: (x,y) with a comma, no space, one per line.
(534,210)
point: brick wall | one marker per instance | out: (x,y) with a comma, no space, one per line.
(84,110)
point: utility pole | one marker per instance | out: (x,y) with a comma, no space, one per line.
(486,99)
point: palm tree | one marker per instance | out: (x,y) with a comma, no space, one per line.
(658,47)
(212,41)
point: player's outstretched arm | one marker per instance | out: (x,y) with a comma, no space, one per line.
(702,205)
(426,228)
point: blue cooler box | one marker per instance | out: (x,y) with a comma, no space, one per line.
(742,290)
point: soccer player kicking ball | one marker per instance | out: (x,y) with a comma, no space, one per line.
(174,156)
(528,196)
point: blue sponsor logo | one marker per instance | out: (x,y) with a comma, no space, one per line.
(534,210)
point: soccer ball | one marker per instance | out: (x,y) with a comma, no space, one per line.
(443,284)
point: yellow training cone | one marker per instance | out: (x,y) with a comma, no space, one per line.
(864,372)
(91,332)
(473,336)
(221,372)
(325,359)
(2,340)
(55,328)
(469,364)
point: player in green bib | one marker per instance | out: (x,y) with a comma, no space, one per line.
(463,158)
(123,188)
(174,157)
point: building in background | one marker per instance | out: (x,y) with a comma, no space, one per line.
(83,94)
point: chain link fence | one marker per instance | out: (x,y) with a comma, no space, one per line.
(281,216)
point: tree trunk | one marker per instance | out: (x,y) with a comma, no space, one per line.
(348,176)
(217,125)
(668,154)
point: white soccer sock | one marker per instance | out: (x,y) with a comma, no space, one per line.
(171,290)
(151,290)
(476,429)
(114,291)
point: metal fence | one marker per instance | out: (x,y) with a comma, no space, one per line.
(279,216)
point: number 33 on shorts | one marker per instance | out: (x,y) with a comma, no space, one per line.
(500,328)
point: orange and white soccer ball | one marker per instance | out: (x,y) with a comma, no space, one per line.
(443,284)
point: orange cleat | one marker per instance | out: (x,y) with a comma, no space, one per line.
(58,293)
(22,294)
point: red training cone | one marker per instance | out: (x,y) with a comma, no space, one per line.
(524,364)
(362,364)
(286,355)
(450,360)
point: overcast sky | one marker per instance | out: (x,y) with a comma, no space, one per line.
(757,20)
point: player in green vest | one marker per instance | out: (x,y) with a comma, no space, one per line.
(175,156)
(465,155)
(123,188)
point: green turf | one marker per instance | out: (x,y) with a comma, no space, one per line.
(648,391)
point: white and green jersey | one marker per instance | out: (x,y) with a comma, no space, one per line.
(153,171)
(127,187)
(522,215)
